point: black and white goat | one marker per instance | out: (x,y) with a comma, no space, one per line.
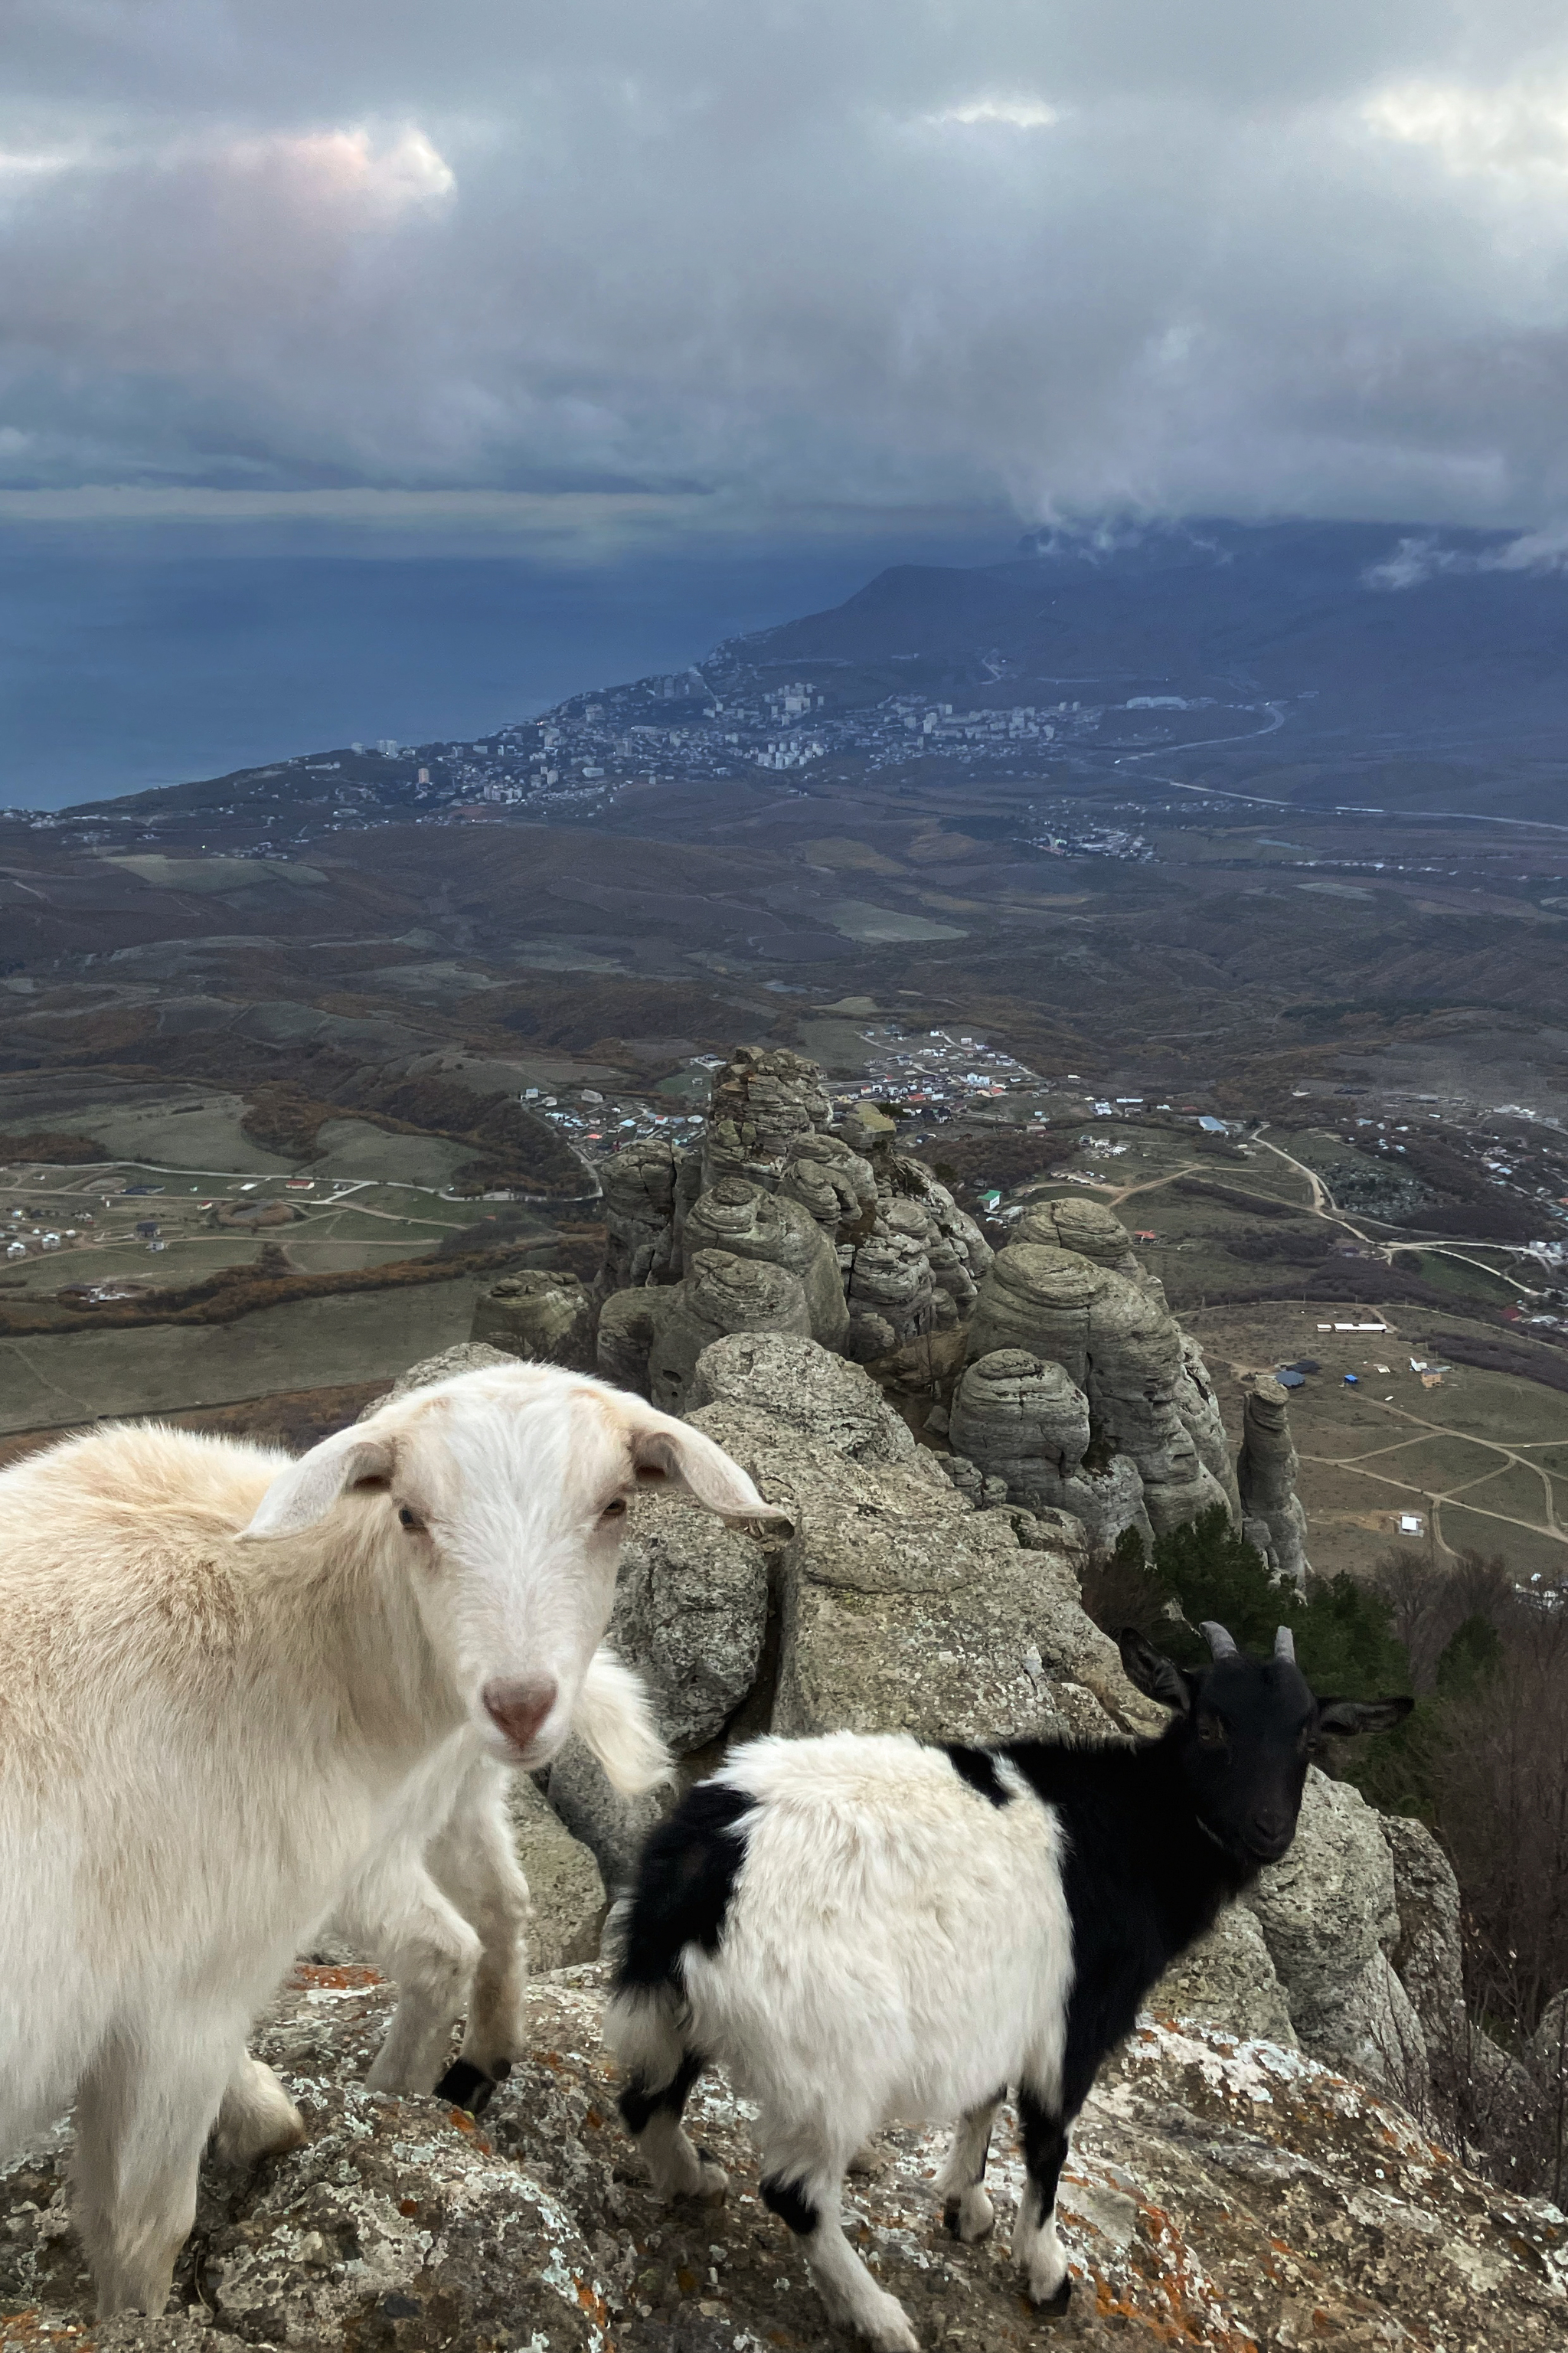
(861,1928)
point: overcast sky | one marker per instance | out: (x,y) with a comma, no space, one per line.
(612,269)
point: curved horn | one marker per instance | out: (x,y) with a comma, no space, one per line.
(1285,1644)
(1219,1640)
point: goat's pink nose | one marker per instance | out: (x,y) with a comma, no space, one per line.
(520,1705)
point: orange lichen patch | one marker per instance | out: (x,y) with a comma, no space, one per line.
(461,2118)
(408,2205)
(592,2302)
(685,2281)
(594,2120)
(352,1978)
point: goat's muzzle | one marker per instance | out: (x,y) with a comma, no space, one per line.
(517,1706)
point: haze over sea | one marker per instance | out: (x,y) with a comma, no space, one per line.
(132,659)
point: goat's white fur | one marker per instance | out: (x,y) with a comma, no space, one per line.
(239,1694)
(896,1948)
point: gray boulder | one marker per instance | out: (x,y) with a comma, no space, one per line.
(1027,1423)
(890,1290)
(803,1387)
(566,1893)
(1272,1518)
(691,1609)
(1228,1979)
(1086,1227)
(832,1183)
(545,1316)
(1198,1406)
(902,1608)
(1427,1956)
(764,1100)
(721,1295)
(737,1217)
(629,1323)
(1329,1919)
(464,1357)
(639,1189)
(611,1827)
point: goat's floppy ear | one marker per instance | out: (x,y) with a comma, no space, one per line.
(663,1448)
(1156,1676)
(1345,1717)
(305,1493)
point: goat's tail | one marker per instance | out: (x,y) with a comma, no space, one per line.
(614,1719)
(644,2025)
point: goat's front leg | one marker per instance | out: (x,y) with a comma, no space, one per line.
(144,2113)
(474,1859)
(1037,2249)
(395,1911)
(966,2210)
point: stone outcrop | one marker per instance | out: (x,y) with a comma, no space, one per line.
(784,1178)
(639,1188)
(1025,1421)
(737,1217)
(901,1607)
(720,1294)
(1272,1518)
(1228,1979)
(804,1388)
(464,1357)
(1426,1954)
(539,1314)
(691,1609)
(1330,1918)
(1122,1348)
(566,1893)
(765,1100)
(832,1183)
(1220,2195)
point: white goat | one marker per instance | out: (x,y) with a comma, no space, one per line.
(238,1684)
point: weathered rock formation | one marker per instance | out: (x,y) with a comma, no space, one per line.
(1024,1420)
(639,1188)
(895,1275)
(1122,1348)
(539,1314)
(737,1217)
(721,1294)
(1272,1518)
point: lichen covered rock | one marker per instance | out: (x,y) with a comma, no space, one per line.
(1272,1516)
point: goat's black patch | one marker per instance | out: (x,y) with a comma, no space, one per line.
(685,1877)
(467,2086)
(639,2106)
(789,2201)
(978,1767)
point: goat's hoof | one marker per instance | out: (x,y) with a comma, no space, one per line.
(1052,2306)
(971,2217)
(885,2327)
(467,2086)
(712,2182)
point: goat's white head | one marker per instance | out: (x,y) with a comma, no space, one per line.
(505,1491)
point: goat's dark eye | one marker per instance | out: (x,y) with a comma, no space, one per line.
(406,1518)
(614,1511)
(1211,1732)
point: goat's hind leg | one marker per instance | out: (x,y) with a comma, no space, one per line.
(803,2186)
(966,2210)
(653,2117)
(1037,2249)
(144,2113)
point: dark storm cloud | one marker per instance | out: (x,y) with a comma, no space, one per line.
(624,264)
